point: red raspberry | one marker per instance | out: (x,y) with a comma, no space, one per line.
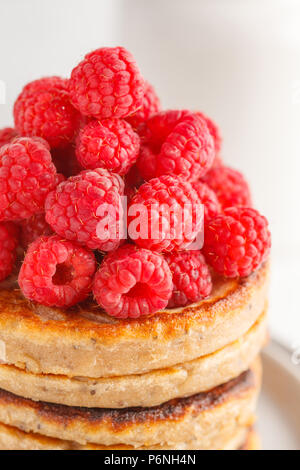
(237,242)
(43,109)
(133,282)
(230,186)
(156,130)
(147,163)
(191,277)
(8,247)
(45,84)
(214,131)
(33,228)
(207,197)
(176,143)
(168,212)
(150,106)
(107,83)
(7,135)
(27,174)
(72,210)
(57,272)
(110,143)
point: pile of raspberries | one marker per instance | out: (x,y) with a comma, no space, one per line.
(91,140)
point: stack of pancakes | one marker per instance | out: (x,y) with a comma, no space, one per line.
(185,378)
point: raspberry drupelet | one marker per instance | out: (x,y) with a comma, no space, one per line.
(165,214)
(237,242)
(176,143)
(8,247)
(79,205)
(43,109)
(107,83)
(133,282)
(110,143)
(150,106)
(7,135)
(229,185)
(191,277)
(57,272)
(27,174)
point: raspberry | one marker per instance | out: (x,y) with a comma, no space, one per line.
(27,174)
(72,210)
(191,277)
(214,132)
(57,272)
(33,228)
(159,126)
(7,135)
(107,83)
(207,197)
(237,242)
(150,106)
(147,163)
(110,143)
(8,247)
(133,282)
(43,109)
(176,143)
(168,212)
(45,84)
(230,186)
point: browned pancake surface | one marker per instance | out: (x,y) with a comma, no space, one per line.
(88,319)
(84,341)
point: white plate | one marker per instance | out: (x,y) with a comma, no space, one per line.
(279,405)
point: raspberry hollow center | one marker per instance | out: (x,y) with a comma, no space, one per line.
(64,274)
(140,290)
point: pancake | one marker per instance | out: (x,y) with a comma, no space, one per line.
(84,341)
(13,439)
(210,417)
(150,389)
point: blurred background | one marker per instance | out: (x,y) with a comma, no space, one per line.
(236,60)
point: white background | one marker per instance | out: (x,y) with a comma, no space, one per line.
(236,60)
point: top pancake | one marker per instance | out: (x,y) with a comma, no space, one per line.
(84,341)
